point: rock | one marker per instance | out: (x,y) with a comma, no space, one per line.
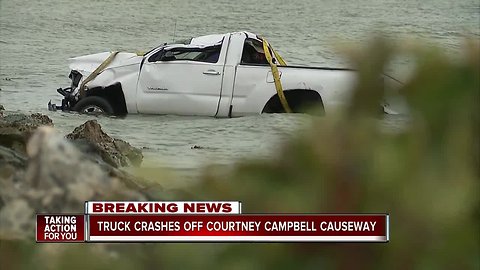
(16,129)
(133,154)
(51,174)
(58,178)
(113,151)
(11,162)
(197,147)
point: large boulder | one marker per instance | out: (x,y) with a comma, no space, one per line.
(91,138)
(42,172)
(11,162)
(58,178)
(16,129)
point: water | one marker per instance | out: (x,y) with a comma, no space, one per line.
(36,38)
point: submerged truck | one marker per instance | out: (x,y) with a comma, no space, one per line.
(221,75)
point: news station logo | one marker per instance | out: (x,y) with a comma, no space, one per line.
(204,221)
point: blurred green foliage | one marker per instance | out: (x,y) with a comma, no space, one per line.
(425,176)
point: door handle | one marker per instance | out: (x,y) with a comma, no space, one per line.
(211,72)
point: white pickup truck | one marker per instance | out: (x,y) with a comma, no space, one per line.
(224,75)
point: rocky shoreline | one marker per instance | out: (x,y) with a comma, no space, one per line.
(43,171)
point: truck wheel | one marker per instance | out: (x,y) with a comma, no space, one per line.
(93,105)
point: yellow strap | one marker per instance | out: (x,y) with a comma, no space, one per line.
(97,71)
(276,75)
(279,58)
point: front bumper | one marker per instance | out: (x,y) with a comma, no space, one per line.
(67,102)
(69,98)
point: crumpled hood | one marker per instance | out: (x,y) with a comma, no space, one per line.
(88,63)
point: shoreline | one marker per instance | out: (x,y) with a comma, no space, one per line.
(42,171)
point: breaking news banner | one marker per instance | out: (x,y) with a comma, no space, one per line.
(204,221)
(170,207)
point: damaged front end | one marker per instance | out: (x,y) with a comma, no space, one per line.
(70,97)
(97,82)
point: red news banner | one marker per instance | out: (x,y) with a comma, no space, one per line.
(217,221)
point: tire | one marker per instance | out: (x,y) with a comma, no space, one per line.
(93,105)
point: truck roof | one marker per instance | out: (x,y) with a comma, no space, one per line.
(211,40)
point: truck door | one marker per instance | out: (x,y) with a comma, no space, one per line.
(182,81)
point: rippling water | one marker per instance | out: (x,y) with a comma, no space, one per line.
(36,38)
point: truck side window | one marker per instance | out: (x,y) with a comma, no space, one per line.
(207,54)
(253,53)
